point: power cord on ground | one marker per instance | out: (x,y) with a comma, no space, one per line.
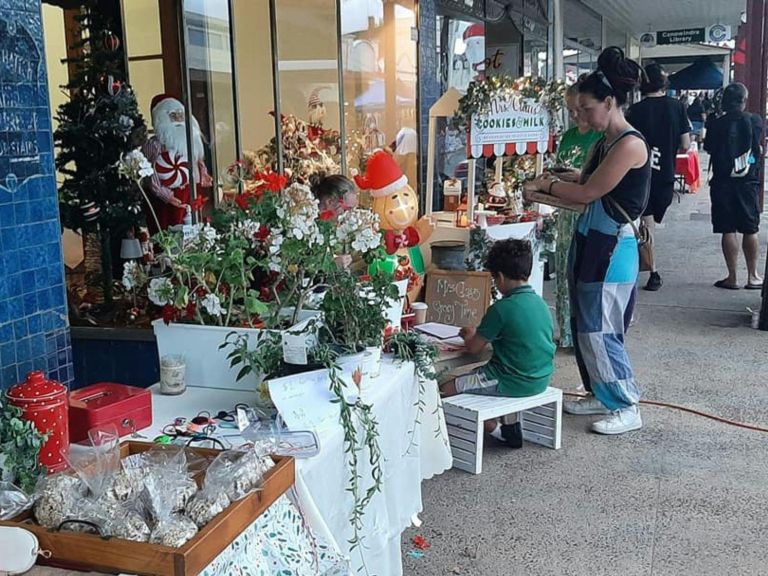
(690,411)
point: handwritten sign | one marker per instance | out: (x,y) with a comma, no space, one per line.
(305,401)
(457,297)
(510,120)
(21,92)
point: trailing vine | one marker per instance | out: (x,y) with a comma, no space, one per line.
(349,414)
(413,347)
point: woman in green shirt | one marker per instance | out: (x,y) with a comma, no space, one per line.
(572,153)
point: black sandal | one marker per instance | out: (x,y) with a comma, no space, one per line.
(725,285)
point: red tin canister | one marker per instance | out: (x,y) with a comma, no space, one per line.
(44,403)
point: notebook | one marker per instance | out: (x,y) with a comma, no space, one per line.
(438,330)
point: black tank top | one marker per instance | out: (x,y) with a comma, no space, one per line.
(632,192)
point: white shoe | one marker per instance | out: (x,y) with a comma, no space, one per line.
(624,420)
(585,406)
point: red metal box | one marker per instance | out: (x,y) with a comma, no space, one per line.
(127,407)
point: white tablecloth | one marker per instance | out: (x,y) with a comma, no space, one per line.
(411,454)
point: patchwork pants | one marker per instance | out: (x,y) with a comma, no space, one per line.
(602,279)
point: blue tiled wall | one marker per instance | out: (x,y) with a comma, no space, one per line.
(34,332)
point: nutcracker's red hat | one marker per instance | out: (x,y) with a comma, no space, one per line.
(382,175)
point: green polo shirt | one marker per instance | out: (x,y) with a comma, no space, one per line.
(519,326)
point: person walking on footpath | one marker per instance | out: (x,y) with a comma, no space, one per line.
(603,260)
(571,155)
(664,124)
(697,116)
(734,144)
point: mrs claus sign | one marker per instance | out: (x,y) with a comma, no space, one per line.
(513,125)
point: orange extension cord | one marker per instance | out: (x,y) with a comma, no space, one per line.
(690,411)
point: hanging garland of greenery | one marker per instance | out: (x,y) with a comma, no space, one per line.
(480,94)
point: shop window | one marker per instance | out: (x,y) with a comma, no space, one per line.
(253,71)
(211,98)
(380,81)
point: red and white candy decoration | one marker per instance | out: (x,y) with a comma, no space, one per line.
(172,172)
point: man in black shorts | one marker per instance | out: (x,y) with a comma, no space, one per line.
(734,142)
(664,123)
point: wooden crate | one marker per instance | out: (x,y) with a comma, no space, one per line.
(90,552)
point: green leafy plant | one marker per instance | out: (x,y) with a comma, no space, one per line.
(480,94)
(352,414)
(20,444)
(354,311)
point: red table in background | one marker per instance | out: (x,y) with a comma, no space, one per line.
(688,169)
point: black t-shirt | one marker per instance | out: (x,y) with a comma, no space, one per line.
(729,136)
(662,120)
(696,111)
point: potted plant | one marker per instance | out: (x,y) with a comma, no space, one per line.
(355,317)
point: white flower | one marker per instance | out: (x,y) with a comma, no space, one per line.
(203,236)
(248,229)
(131,274)
(275,242)
(134,165)
(299,211)
(358,229)
(212,305)
(160,291)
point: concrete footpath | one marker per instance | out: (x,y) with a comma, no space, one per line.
(683,496)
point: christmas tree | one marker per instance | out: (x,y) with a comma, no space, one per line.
(100,122)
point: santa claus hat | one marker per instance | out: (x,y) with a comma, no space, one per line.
(161,98)
(382,175)
(474,31)
(163,104)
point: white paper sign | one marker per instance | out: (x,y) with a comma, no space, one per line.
(510,121)
(305,401)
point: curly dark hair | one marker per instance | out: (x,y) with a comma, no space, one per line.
(513,258)
(616,76)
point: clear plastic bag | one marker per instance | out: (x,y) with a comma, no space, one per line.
(13,501)
(57,498)
(160,496)
(238,472)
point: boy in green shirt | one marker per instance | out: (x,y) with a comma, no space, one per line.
(519,328)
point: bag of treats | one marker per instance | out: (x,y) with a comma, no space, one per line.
(238,472)
(161,496)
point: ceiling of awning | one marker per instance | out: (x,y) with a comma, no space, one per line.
(638,16)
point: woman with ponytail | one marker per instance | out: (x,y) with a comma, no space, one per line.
(603,259)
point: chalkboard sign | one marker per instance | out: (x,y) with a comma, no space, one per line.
(457,297)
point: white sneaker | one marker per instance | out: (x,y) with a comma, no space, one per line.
(624,420)
(585,406)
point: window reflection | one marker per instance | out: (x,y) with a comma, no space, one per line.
(211,84)
(379,75)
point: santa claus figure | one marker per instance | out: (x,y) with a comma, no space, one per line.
(167,151)
(474,38)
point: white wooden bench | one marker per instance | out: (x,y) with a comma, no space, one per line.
(540,415)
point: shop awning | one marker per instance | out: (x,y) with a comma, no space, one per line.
(510,149)
(701,75)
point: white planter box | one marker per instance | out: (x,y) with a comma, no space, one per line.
(207,366)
